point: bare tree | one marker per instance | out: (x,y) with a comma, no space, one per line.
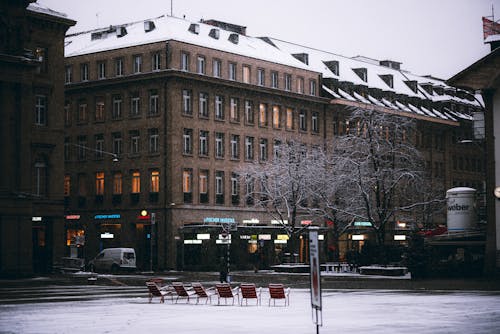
(382,170)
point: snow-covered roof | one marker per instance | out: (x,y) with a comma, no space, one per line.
(38,8)
(172,28)
(384,78)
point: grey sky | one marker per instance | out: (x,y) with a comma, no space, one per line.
(433,37)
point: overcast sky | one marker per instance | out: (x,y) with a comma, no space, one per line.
(436,37)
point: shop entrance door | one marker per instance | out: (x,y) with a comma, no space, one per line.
(40,246)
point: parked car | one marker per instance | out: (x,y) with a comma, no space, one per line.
(113,260)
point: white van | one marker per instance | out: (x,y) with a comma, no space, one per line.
(113,260)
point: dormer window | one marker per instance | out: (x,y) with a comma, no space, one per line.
(333,65)
(412,84)
(194,28)
(388,79)
(362,72)
(234,38)
(214,33)
(121,31)
(149,26)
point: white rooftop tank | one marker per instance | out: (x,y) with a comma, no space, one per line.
(461,208)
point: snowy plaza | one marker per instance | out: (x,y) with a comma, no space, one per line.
(127,310)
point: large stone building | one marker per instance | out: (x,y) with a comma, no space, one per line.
(31,156)
(161,114)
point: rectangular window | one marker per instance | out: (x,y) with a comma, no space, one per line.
(232,71)
(249,112)
(235,147)
(136,182)
(288,82)
(315,122)
(246,74)
(289,118)
(219,145)
(219,187)
(300,85)
(101,70)
(155,181)
(217,68)
(261,77)
(82,148)
(274,79)
(135,105)
(40,110)
(187,185)
(84,72)
(302,120)
(154,140)
(203,186)
(200,65)
(118,67)
(67,149)
(82,185)
(82,112)
(187,138)
(67,185)
(41,56)
(99,110)
(249,144)
(263,114)
(68,74)
(67,114)
(219,107)
(117,143)
(263,150)
(40,179)
(184,61)
(156,61)
(249,190)
(203,143)
(137,63)
(312,87)
(99,146)
(135,142)
(117,107)
(154,102)
(234,109)
(276,117)
(187,107)
(235,189)
(117,183)
(203,105)
(99,183)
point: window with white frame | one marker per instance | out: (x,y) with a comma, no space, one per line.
(276,117)
(219,145)
(303,120)
(274,79)
(289,118)
(68,74)
(235,146)
(315,122)
(249,117)
(135,105)
(184,61)
(117,107)
(219,107)
(203,186)
(40,110)
(249,148)
(246,74)
(312,87)
(99,146)
(154,140)
(156,61)
(99,183)
(263,149)
(117,183)
(136,182)
(82,112)
(203,105)
(263,114)
(187,141)
(203,143)
(84,72)
(99,110)
(300,85)
(82,148)
(117,143)
(261,77)
(118,67)
(155,181)
(187,108)
(154,102)
(232,71)
(234,109)
(216,68)
(135,142)
(288,82)
(137,63)
(235,189)
(101,70)
(219,187)
(200,65)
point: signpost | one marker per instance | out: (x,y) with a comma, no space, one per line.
(315,278)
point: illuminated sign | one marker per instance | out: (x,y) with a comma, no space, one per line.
(280,241)
(219,220)
(250,221)
(401,225)
(203,236)
(192,242)
(369,224)
(223,242)
(358,237)
(400,237)
(279,222)
(306,222)
(224,236)
(264,237)
(107,235)
(245,237)
(282,237)
(72,217)
(112,216)
(146,217)
(321,237)
(36,219)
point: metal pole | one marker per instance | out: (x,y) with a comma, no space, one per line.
(153,221)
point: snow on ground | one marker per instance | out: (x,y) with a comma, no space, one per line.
(353,311)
